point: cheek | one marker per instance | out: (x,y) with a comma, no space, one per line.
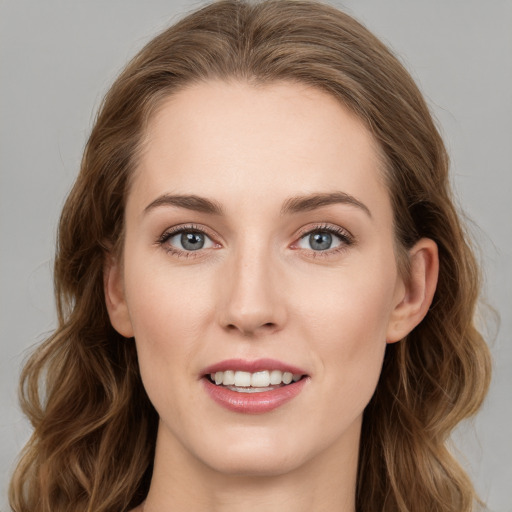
(165,302)
(347,322)
(168,314)
(350,304)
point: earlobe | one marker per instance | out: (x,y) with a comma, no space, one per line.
(115,297)
(418,291)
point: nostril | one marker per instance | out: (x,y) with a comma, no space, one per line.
(248,330)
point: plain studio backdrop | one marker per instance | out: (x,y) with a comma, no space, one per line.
(57,60)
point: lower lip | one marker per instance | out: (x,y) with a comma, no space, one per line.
(253,403)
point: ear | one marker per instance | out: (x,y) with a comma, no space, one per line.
(115,300)
(417,292)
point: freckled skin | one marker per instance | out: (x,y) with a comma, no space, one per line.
(257,289)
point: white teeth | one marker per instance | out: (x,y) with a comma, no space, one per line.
(242,379)
(276,377)
(229,378)
(261,379)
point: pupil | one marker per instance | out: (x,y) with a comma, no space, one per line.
(320,241)
(192,241)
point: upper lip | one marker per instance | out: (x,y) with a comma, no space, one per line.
(256,365)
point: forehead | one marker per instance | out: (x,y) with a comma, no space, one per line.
(233,139)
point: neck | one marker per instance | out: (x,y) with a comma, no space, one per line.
(326,482)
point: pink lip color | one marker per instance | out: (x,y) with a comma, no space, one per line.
(252,403)
(257,365)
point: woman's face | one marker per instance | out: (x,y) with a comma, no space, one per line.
(259,240)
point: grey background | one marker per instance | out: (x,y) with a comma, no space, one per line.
(57,60)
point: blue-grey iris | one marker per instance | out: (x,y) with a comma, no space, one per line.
(192,241)
(320,241)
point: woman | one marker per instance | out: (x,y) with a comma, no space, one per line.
(265,294)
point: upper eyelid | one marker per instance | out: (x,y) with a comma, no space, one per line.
(181,228)
(332,228)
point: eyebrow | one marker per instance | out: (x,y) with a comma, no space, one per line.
(189,202)
(317,200)
(292,205)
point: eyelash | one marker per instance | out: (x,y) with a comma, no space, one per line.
(345,237)
(168,234)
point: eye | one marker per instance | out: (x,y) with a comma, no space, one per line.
(190,241)
(324,239)
(186,240)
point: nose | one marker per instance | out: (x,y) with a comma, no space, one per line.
(252,300)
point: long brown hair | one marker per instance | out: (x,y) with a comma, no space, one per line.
(94,427)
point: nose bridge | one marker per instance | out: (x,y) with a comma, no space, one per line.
(252,301)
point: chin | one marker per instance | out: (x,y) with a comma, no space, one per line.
(252,465)
(267,456)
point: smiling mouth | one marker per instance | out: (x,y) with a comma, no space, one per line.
(257,382)
(253,387)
